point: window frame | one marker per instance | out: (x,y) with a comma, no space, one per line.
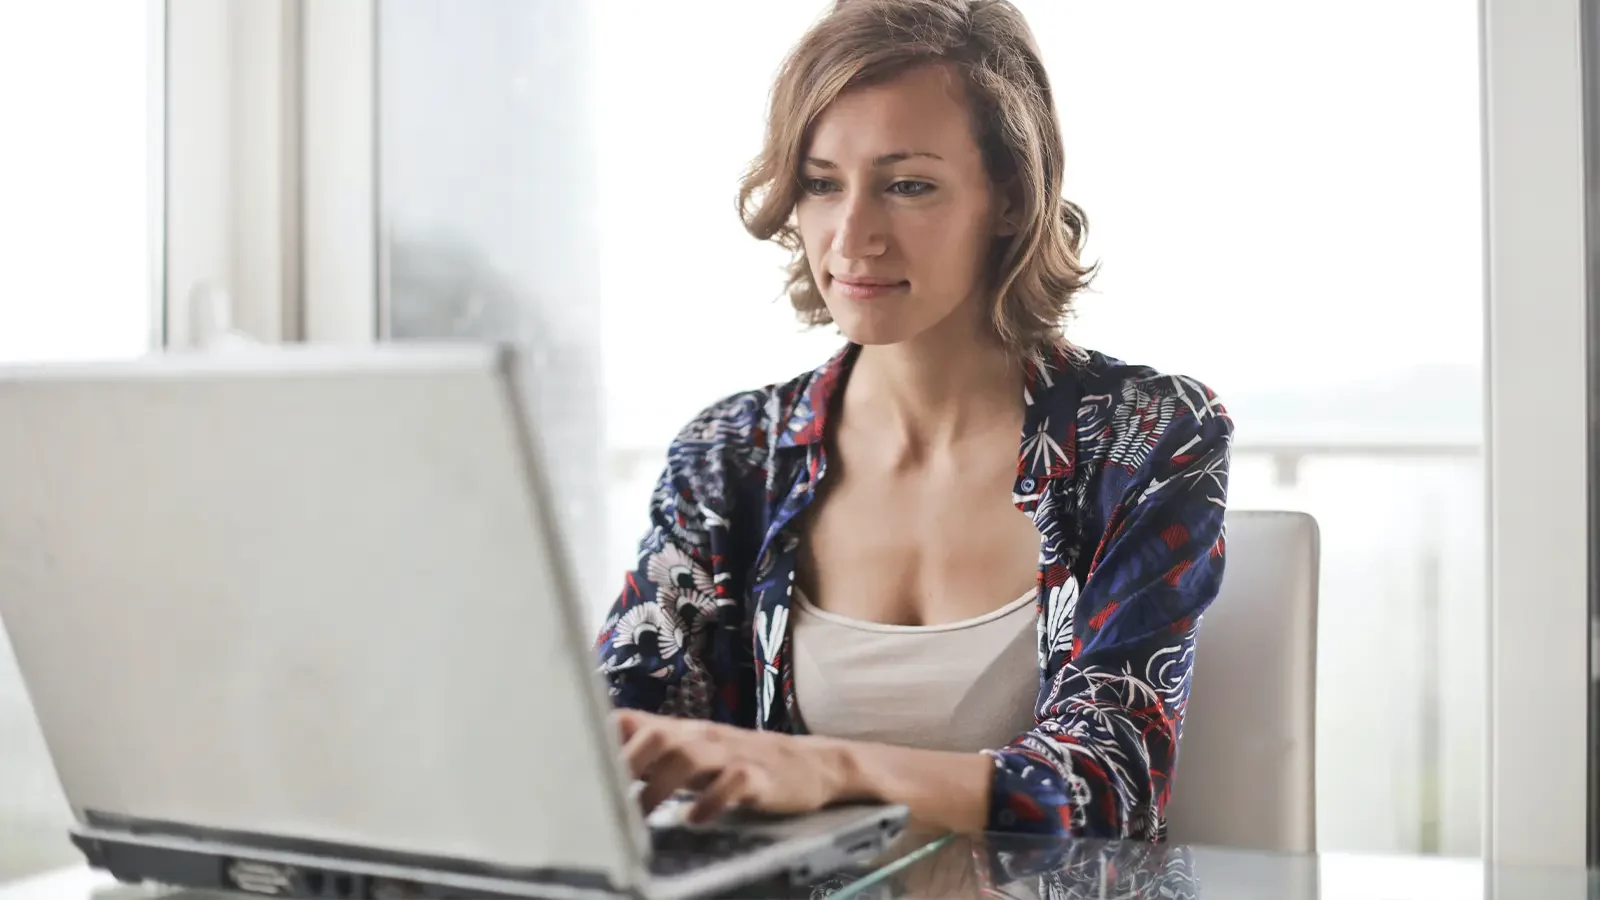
(1538,451)
(343,287)
(231,121)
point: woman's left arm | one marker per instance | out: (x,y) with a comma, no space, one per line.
(1100,761)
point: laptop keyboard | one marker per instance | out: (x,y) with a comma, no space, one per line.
(677,850)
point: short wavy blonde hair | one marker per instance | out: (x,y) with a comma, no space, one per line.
(1036,272)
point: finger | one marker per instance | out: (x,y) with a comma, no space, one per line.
(645,749)
(732,787)
(678,770)
(627,722)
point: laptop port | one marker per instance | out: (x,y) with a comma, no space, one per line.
(260,878)
(865,845)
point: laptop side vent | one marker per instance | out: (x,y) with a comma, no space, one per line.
(261,878)
(277,880)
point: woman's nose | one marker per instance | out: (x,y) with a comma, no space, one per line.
(862,231)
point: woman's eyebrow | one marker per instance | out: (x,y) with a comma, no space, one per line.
(887,159)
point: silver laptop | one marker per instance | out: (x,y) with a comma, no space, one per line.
(298,621)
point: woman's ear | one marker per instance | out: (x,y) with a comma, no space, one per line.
(1009,209)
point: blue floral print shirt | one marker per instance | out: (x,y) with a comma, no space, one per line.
(1123,470)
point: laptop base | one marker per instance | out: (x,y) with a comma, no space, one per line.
(206,865)
(277,867)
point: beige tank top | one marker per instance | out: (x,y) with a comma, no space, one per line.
(966,686)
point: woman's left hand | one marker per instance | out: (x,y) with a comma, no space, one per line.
(729,766)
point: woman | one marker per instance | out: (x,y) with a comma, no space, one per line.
(859,584)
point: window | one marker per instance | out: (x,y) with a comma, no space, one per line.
(81,277)
(487,222)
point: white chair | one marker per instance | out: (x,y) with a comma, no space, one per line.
(1246,760)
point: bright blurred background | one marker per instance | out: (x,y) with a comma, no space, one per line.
(1284,197)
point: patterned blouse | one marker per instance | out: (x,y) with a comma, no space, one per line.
(1123,470)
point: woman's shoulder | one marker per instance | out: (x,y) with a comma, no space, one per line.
(1102,374)
(1113,397)
(742,427)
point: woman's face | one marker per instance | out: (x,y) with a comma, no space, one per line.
(897,213)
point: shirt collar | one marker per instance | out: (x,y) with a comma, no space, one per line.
(1049,434)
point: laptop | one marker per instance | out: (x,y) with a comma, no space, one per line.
(299,621)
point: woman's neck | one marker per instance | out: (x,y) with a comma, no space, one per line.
(934,392)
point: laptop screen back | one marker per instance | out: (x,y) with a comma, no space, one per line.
(308,593)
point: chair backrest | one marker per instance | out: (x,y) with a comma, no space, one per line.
(1246,760)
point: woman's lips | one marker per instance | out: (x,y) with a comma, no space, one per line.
(868,289)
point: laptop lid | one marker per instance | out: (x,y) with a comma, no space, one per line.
(311,593)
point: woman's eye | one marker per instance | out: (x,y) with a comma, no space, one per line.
(816,185)
(910,188)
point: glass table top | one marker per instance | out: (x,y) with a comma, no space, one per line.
(999,866)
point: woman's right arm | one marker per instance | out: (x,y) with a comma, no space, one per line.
(669,643)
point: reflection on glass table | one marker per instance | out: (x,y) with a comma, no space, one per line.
(1022,867)
(1001,866)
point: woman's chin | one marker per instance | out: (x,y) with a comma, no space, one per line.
(871,337)
(871,331)
(897,323)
